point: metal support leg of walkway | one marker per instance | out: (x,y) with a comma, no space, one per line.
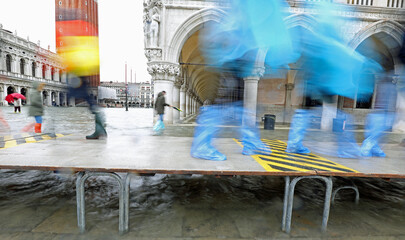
(289,198)
(356,190)
(127,189)
(80,198)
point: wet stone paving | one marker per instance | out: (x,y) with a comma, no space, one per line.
(42,205)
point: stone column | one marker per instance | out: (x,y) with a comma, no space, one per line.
(192,105)
(57,99)
(164,75)
(5,103)
(56,75)
(183,102)
(195,105)
(49,98)
(28,101)
(14,63)
(48,73)
(187,107)
(38,70)
(176,101)
(2,61)
(250,97)
(72,102)
(26,67)
(42,97)
(65,100)
(17,65)
(328,114)
(29,68)
(289,87)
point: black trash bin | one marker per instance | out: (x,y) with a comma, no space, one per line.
(338,124)
(269,121)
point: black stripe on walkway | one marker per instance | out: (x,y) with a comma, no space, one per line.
(295,164)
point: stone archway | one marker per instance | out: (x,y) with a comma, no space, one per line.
(53,98)
(62,99)
(24,92)
(392,29)
(10,90)
(45,96)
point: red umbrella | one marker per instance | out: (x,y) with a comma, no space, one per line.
(10,97)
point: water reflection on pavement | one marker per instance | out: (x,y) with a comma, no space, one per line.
(41,205)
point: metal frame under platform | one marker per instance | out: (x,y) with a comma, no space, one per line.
(171,155)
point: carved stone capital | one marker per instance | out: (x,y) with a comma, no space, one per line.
(163,70)
(258,71)
(178,82)
(153,54)
(289,86)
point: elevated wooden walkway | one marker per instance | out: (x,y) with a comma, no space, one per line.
(171,155)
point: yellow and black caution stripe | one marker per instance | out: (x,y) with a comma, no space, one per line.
(278,160)
(18,139)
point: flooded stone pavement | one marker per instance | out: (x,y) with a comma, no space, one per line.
(42,205)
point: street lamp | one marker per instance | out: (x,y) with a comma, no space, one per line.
(126,89)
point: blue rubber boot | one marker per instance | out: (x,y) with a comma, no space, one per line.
(252,143)
(347,146)
(208,120)
(377,123)
(297,132)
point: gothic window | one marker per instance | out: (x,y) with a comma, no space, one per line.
(22,66)
(8,63)
(60,76)
(33,67)
(43,71)
(52,73)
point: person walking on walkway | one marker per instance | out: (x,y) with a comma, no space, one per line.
(160,105)
(36,108)
(17,105)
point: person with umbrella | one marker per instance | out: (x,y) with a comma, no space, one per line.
(17,105)
(15,98)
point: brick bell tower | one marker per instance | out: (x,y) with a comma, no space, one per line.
(78,18)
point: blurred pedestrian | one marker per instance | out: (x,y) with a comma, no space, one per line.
(160,105)
(17,105)
(401,79)
(36,108)
(80,55)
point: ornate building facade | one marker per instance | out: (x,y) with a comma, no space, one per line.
(23,62)
(139,94)
(172,29)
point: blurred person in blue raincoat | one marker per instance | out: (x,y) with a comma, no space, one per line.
(230,48)
(331,68)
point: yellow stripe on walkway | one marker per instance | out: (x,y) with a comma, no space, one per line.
(278,160)
(23,138)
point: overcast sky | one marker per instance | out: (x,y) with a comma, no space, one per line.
(120,30)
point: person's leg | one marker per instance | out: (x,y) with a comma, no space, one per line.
(15,109)
(297,132)
(82,92)
(19,109)
(377,123)
(161,117)
(38,124)
(208,120)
